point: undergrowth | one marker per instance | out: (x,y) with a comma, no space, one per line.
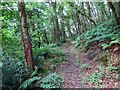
(46,58)
(105,31)
(96,78)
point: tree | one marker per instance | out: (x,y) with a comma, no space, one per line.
(113,12)
(62,21)
(80,12)
(25,36)
(119,8)
(55,21)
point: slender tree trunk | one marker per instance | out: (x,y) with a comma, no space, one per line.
(84,19)
(56,23)
(45,36)
(78,22)
(39,41)
(119,9)
(106,14)
(74,21)
(69,29)
(113,12)
(89,18)
(89,13)
(25,35)
(62,24)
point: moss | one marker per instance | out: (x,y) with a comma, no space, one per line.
(104,57)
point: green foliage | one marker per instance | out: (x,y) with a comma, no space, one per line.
(76,42)
(48,56)
(85,66)
(28,82)
(84,80)
(102,32)
(51,81)
(111,68)
(13,72)
(104,57)
(104,46)
(47,51)
(114,40)
(102,69)
(95,77)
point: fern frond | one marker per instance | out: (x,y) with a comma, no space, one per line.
(28,82)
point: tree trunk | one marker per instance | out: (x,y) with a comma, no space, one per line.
(25,36)
(77,18)
(57,31)
(106,14)
(62,24)
(113,12)
(89,18)
(89,13)
(69,29)
(119,9)
(45,36)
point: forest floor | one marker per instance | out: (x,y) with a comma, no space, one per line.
(70,71)
(73,74)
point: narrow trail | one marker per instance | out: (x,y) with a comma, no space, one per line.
(70,71)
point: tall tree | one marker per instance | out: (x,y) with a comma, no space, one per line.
(113,12)
(119,8)
(80,12)
(89,12)
(62,21)
(55,20)
(25,36)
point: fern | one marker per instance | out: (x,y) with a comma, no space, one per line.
(51,81)
(99,33)
(28,82)
(104,46)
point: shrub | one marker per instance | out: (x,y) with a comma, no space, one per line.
(104,57)
(102,32)
(13,72)
(48,55)
(52,80)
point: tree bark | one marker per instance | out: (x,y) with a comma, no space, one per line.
(113,12)
(57,31)
(69,29)
(119,9)
(25,36)
(63,23)
(89,13)
(84,15)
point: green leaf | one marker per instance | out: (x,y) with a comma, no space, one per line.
(28,82)
(104,46)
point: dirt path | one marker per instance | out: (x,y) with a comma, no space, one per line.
(72,73)
(71,70)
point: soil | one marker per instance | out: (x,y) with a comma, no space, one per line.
(71,70)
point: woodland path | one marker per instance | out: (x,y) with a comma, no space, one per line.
(70,71)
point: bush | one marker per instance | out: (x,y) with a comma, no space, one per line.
(102,32)
(104,57)
(52,80)
(13,72)
(47,57)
